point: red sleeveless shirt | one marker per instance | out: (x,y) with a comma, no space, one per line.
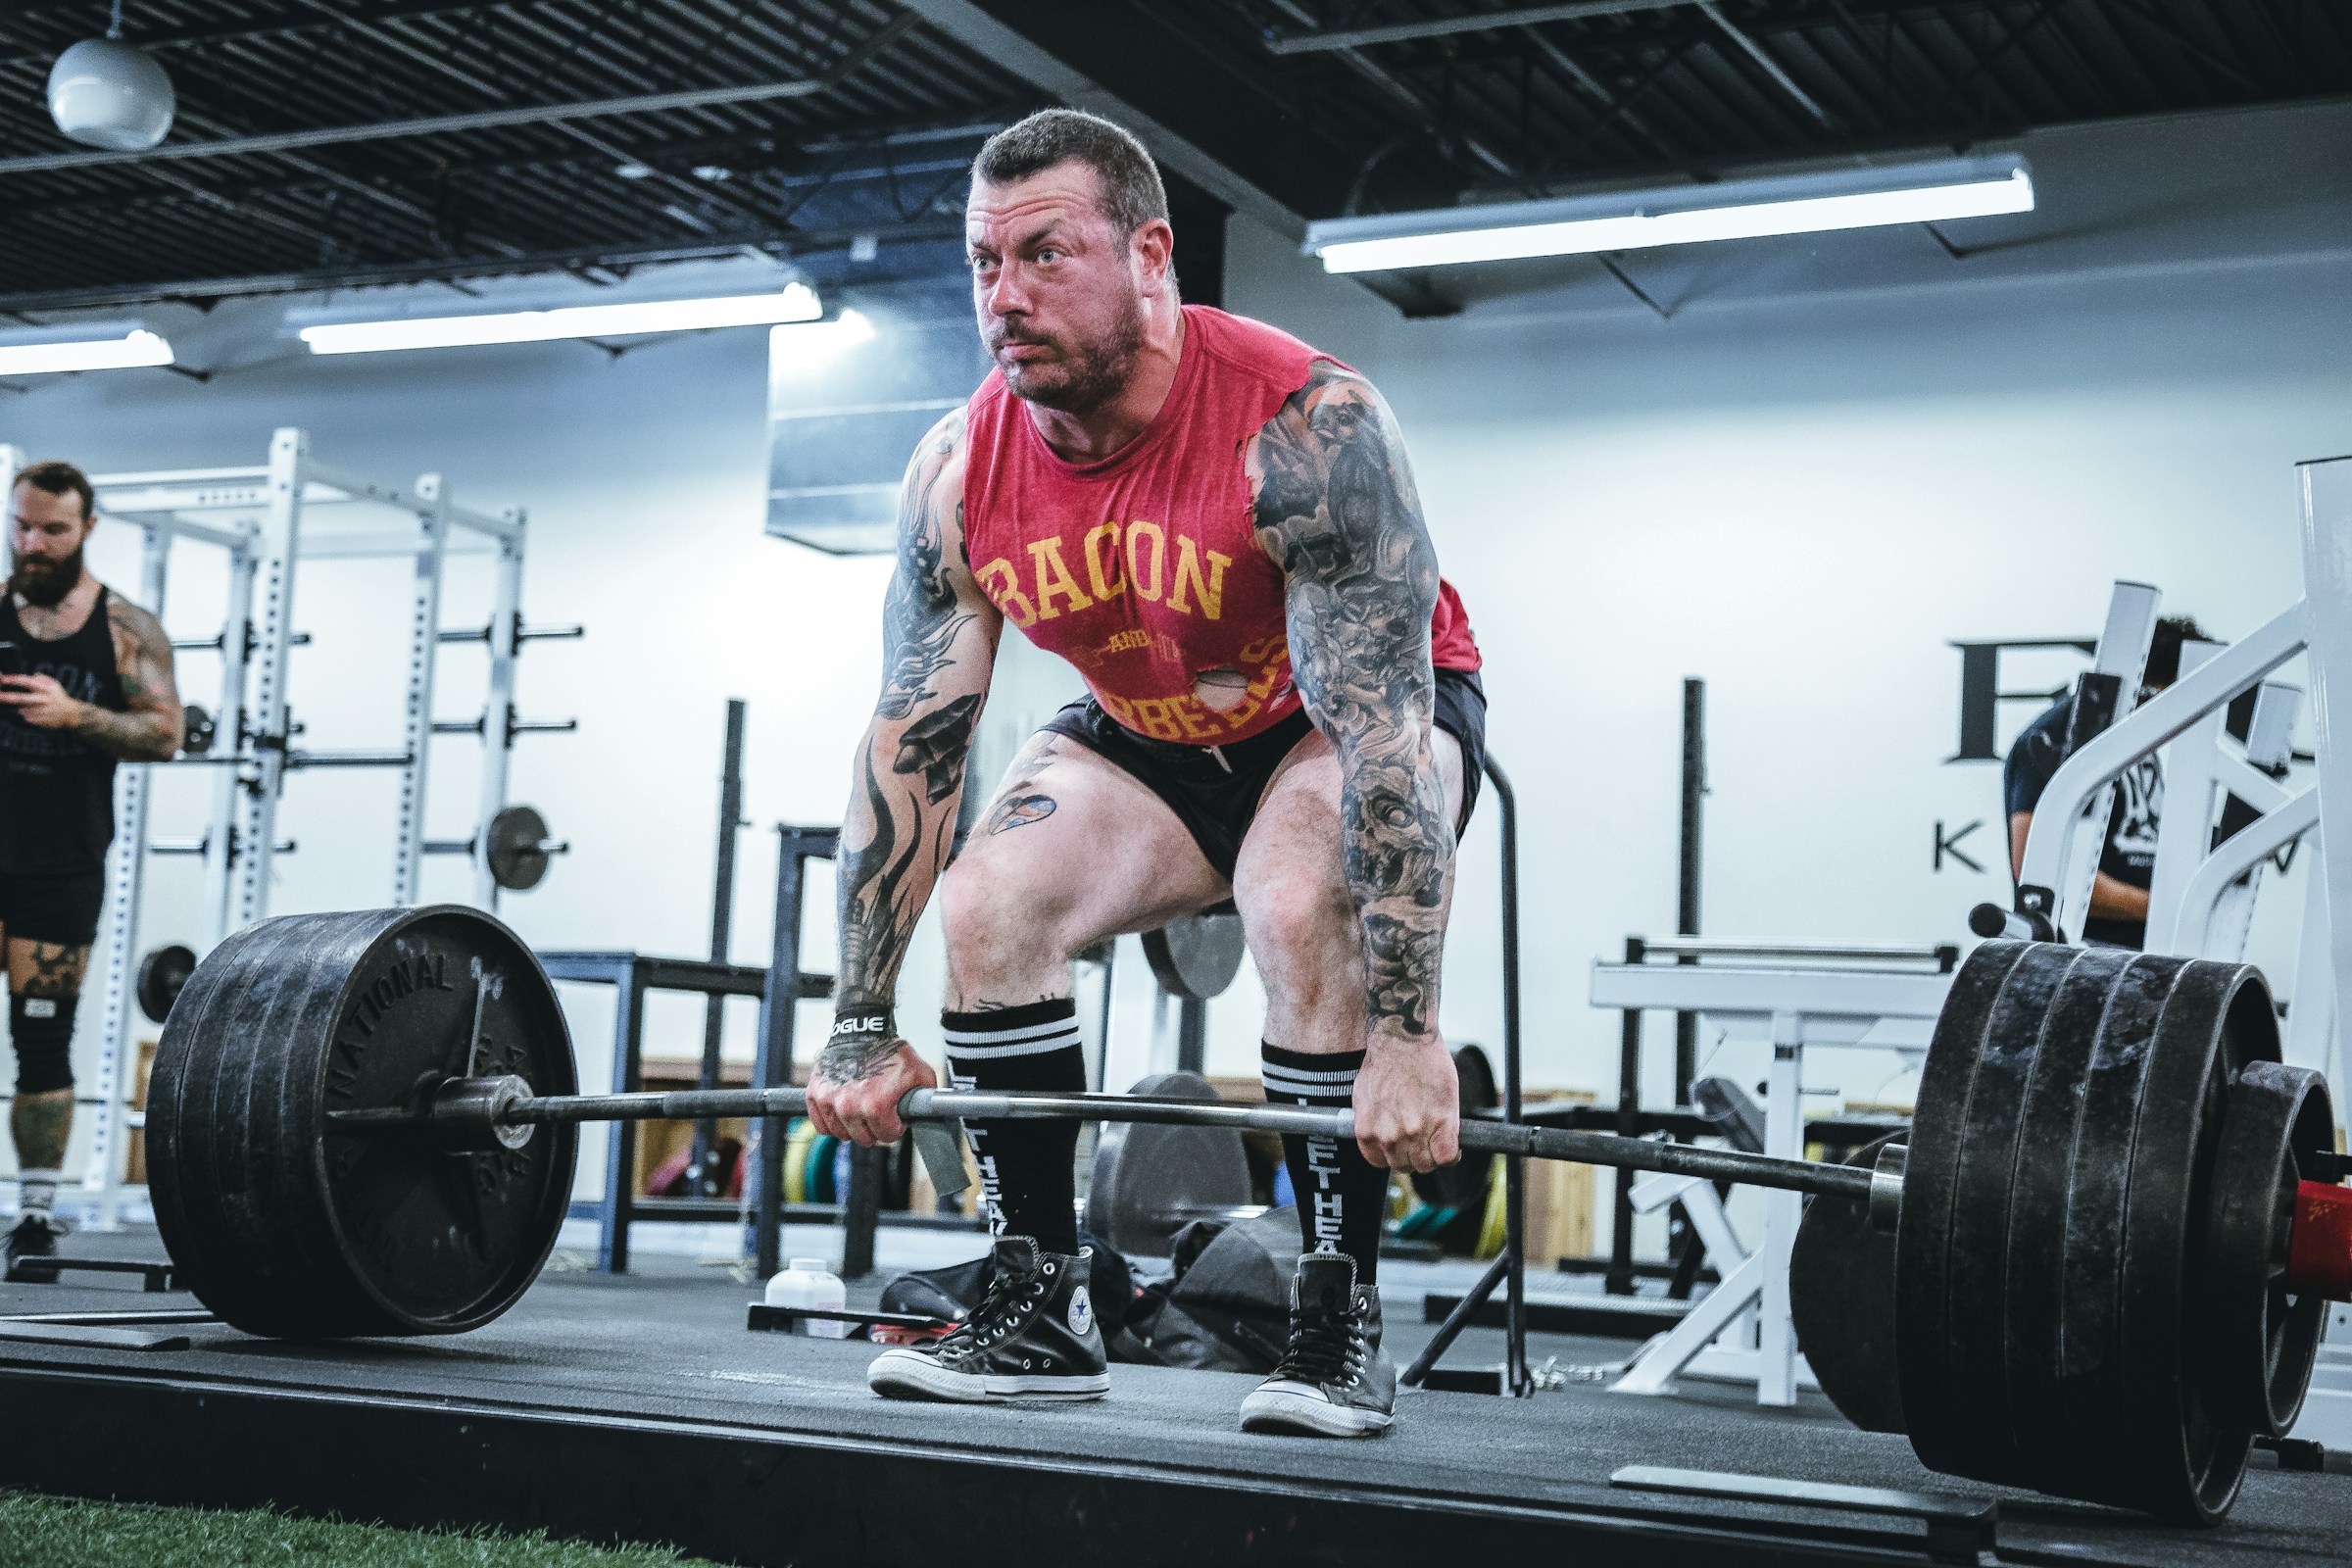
(1143,570)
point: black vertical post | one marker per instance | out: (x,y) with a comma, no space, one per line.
(1695,791)
(1619,1281)
(1516,1381)
(862,1210)
(701,1175)
(1192,1035)
(773,1067)
(620,1148)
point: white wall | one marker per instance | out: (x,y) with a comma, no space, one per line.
(1841,452)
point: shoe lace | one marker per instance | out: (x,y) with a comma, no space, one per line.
(1327,1345)
(994,1313)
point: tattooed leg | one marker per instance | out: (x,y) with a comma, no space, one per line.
(45,980)
(1073,850)
(40,1124)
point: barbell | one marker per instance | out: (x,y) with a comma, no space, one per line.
(2108,1261)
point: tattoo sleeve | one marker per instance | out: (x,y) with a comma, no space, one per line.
(149,728)
(1338,511)
(939,636)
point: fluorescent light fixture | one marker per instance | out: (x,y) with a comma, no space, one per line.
(846,330)
(797,302)
(136,347)
(1577,225)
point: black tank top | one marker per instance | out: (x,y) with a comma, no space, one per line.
(57,791)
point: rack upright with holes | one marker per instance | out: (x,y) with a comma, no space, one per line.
(268,519)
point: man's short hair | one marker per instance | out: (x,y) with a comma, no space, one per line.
(61,480)
(1131,192)
(2164,649)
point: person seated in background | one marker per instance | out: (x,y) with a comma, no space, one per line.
(2119,895)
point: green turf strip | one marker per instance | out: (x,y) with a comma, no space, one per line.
(37,1532)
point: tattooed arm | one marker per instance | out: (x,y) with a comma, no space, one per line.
(939,635)
(152,722)
(148,730)
(1338,511)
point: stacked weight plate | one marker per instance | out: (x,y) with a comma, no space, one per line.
(285,1229)
(2051,1315)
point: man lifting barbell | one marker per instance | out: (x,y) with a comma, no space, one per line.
(1217,526)
(86,681)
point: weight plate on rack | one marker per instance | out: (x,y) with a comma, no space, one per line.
(285,1226)
(1149,1179)
(520,847)
(1195,957)
(163,973)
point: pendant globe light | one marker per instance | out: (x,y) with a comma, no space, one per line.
(106,93)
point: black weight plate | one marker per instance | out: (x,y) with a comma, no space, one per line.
(162,975)
(2261,1342)
(2090,1418)
(285,1229)
(1463,1184)
(1930,1179)
(1150,1180)
(2186,1463)
(1977,1342)
(518,853)
(1841,1302)
(2036,1266)
(1195,957)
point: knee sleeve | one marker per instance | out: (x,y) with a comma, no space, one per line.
(42,1030)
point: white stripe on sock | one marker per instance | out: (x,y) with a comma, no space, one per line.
(1028,1031)
(1062,1042)
(1298,1081)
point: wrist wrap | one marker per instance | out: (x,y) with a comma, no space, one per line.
(864,1025)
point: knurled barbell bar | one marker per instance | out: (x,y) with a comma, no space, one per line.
(2106,1255)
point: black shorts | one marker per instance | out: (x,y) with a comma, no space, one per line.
(61,909)
(1215,800)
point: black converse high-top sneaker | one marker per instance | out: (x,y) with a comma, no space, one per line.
(1032,1336)
(1333,1382)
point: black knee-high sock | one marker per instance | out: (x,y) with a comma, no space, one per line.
(1341,1194)
(1026,1167)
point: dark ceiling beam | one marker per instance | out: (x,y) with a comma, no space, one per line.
(477,119)
(1316,41)
(362,275)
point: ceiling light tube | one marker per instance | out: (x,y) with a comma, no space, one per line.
(797,302)
(134,348)
(1624,221)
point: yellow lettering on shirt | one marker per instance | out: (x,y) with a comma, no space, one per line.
(1053,580)
(1002,585)
(1115,584)
(1136,532)
(1211,588)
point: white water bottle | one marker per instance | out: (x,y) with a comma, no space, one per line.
(810,1285)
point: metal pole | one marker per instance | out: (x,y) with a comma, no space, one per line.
(771,1071)
(1685,923)
(701,1179)
(1516,1381)
(274,600)
(416,709)
(1619,1281)
(497,709)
